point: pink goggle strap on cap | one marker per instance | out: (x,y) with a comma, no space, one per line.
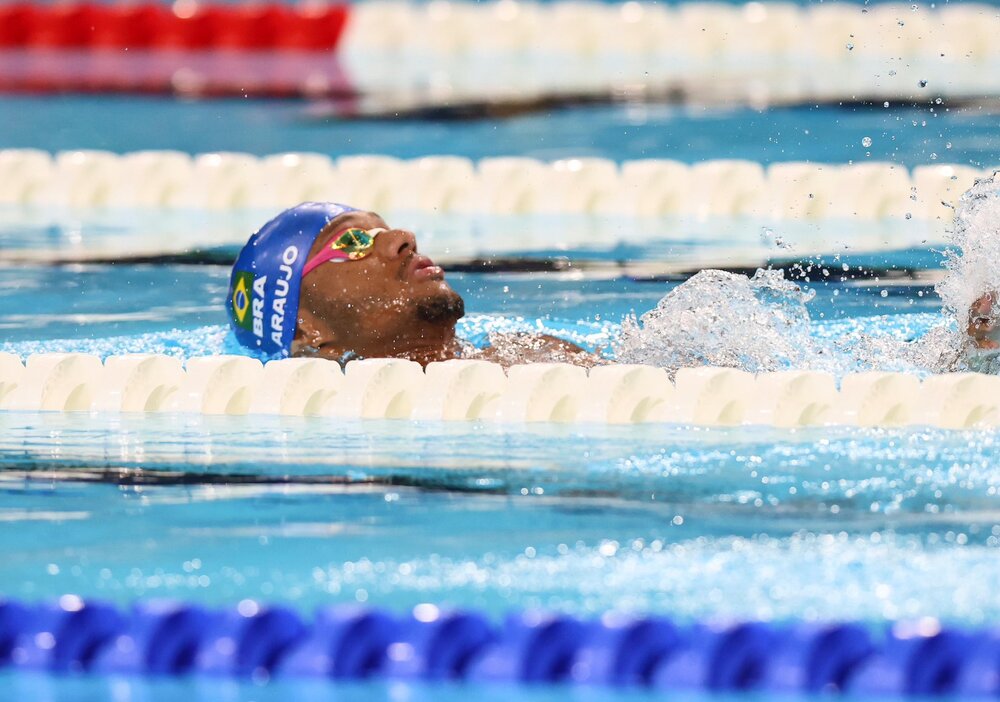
(342,248)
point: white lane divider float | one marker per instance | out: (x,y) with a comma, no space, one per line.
(713,396)
(138,383)
(794,398)
(11,372)
(879,399)
(378,388)
(471,390)
(61,382)
(217,385)
(460,389)
(867,191)
(754,51)
(297,386)
(627,394)
(543,392)
(960,400)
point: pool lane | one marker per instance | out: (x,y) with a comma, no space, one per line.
(868,526)
(904,135)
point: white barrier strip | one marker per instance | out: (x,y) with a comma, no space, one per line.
(464,390)
(758,51)
(790,191)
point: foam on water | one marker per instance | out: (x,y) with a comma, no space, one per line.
(763,323)
(721,319)
(972,261)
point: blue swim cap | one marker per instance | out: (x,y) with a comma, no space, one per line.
(264,286)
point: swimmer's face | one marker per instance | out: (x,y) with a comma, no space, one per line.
(394,302)
(983,321)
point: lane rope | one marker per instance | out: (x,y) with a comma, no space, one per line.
(446,52)
(470,390)
(185,24)
(494,186)
(467,210)
(255,641)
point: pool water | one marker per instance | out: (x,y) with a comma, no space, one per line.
(905,135)
(692,522)
(744,522)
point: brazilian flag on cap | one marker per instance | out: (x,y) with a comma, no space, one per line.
(240,308)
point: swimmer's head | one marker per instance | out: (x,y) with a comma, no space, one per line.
(327,280)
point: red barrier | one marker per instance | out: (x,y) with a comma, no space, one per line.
(189,72)
(184,25)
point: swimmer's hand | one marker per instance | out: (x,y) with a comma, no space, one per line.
(983,322)
(513,349)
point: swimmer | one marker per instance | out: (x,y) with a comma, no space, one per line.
(330,281)
(983,322)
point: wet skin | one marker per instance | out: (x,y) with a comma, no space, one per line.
(983,321)
(396,303)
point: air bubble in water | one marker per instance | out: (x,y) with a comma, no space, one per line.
(866,142)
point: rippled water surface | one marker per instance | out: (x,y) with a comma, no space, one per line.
(743,522)
(906,135)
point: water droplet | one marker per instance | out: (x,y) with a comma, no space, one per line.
(909,216)
(850,47)
(933,157)
(885,104)
(922,84)
(884,293)
(892,73)
(947,145)
(866,142)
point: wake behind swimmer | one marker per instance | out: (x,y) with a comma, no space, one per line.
(763,323)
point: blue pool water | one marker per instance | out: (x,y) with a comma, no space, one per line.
(905,135)
(691,522)
(744,523)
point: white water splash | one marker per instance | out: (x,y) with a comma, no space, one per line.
(762,323)
(722,319)
(973,264)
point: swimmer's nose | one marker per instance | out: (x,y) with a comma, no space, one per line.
(395,243)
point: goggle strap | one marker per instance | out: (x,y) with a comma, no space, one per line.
(330,252)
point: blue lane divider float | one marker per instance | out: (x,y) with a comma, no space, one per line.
(348,642)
